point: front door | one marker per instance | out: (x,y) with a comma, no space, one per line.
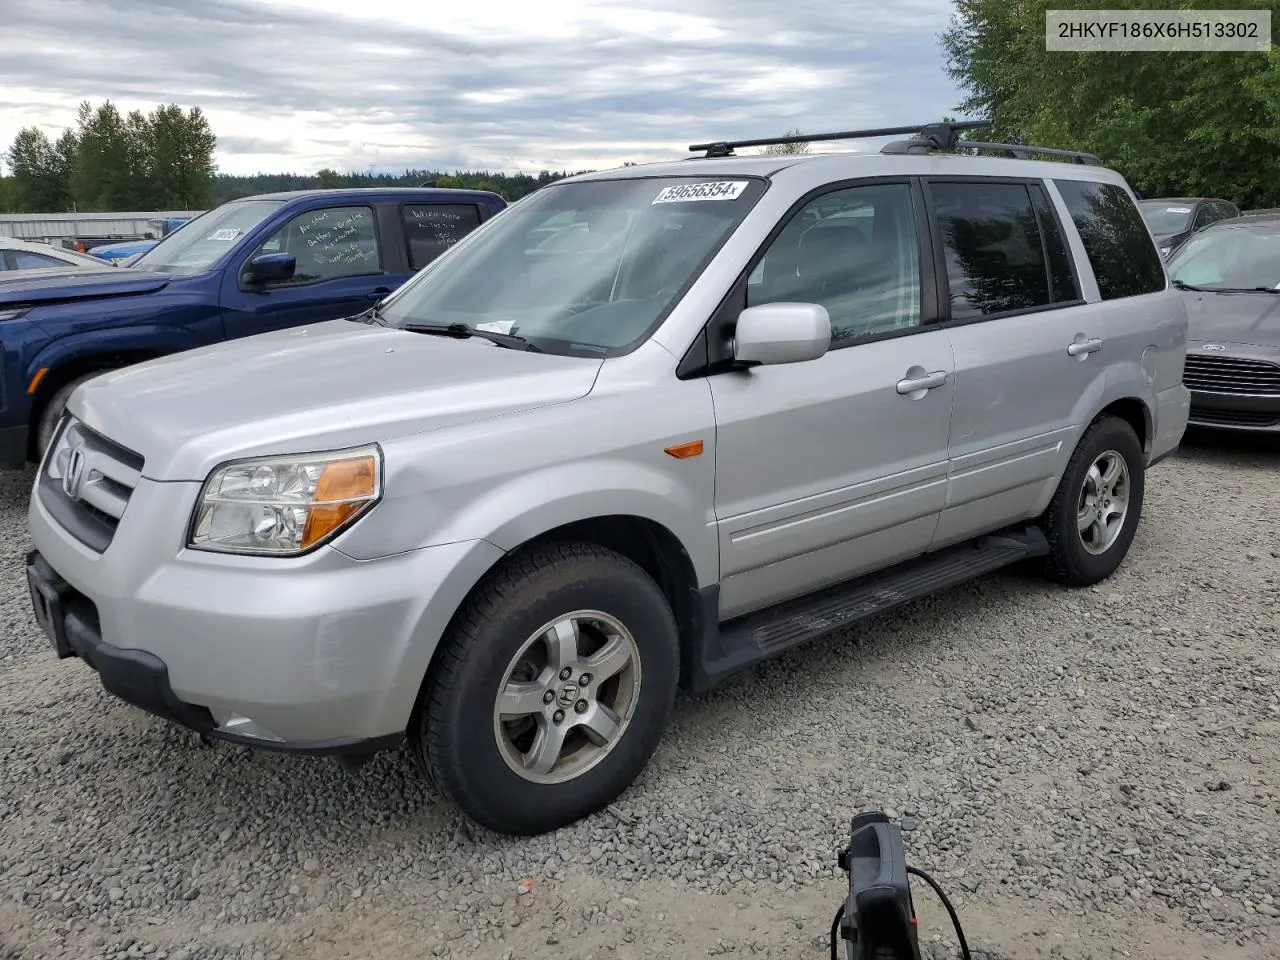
(834,467)
(340,272)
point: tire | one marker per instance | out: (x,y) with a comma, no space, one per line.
(484,760)
(1077,557)
(52,412)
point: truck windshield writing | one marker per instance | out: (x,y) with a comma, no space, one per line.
(207,239)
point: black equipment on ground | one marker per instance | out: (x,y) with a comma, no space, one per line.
(878,919)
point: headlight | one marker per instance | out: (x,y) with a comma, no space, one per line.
(285,506)
(14,313)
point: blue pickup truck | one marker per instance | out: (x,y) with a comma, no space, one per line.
(246,267)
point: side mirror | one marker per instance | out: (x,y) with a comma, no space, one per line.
(270,268)
(781,333)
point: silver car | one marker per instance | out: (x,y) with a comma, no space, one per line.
(510,511)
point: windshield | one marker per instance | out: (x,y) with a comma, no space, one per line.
(580,268)
(208,238)
(1236,258)
(1164,219)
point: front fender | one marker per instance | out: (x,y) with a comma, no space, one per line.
(530,504)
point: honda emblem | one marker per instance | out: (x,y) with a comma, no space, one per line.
(75,473)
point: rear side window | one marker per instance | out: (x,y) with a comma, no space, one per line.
(432,228)
(995,256)
(1115,238)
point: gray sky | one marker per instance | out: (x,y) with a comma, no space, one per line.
(296,85)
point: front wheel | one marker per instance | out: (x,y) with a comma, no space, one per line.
(551,691)
(1092,519)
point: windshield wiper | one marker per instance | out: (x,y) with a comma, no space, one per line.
(1275,289)
(372,315)
(460,331)
(1186,286)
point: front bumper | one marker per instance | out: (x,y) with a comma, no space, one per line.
(1234,387)
(315,654)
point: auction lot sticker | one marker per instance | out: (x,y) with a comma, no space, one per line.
(717,190)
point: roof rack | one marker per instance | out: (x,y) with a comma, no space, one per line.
(929,136)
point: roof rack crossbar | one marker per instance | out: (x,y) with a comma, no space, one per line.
(944,134)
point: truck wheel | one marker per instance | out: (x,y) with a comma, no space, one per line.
(551,691)
(1093,516)
(52,412)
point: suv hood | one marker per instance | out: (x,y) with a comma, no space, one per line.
(323,387)
(1248,318)
(77,283)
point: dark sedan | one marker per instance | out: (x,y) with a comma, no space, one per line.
(1173,220)
(1230,276)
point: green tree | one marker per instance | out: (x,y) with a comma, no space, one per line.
(38,181)
(1190,124)
(785,149)
(330,179)
(181,145)
(6,194)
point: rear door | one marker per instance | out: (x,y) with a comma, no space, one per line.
(1027,349)
(342,269)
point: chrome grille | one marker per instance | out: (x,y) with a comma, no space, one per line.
(86,482)
(1231,375)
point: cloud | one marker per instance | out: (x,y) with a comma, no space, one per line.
(385,84)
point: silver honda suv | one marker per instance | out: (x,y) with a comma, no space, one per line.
(645,429)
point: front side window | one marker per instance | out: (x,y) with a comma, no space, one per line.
(1230,258)
(854,251)
(994,251)
(580,268)
(326,244)
(204,241)
(1119,247)
(432,228)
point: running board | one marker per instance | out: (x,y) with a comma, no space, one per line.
(743,642)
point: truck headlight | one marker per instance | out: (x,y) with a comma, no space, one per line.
(285,506)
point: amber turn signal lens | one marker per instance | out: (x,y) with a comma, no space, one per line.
(341,492)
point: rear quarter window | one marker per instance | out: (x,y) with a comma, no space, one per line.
(1115,238)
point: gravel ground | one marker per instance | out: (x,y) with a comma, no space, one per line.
(1089,773)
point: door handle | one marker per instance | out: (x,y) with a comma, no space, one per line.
(922,382)
(1081,347)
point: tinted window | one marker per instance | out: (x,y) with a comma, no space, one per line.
(854,251)
(995,258)
(25,260)
(432,228)
(1062,276)
(1116,240)
(328,243)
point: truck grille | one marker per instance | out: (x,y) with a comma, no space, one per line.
(86,482)
(1231,375)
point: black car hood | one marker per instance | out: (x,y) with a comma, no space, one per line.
(1252,318)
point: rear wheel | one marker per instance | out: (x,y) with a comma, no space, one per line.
(53,410)
(551,691)
(1091,522)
